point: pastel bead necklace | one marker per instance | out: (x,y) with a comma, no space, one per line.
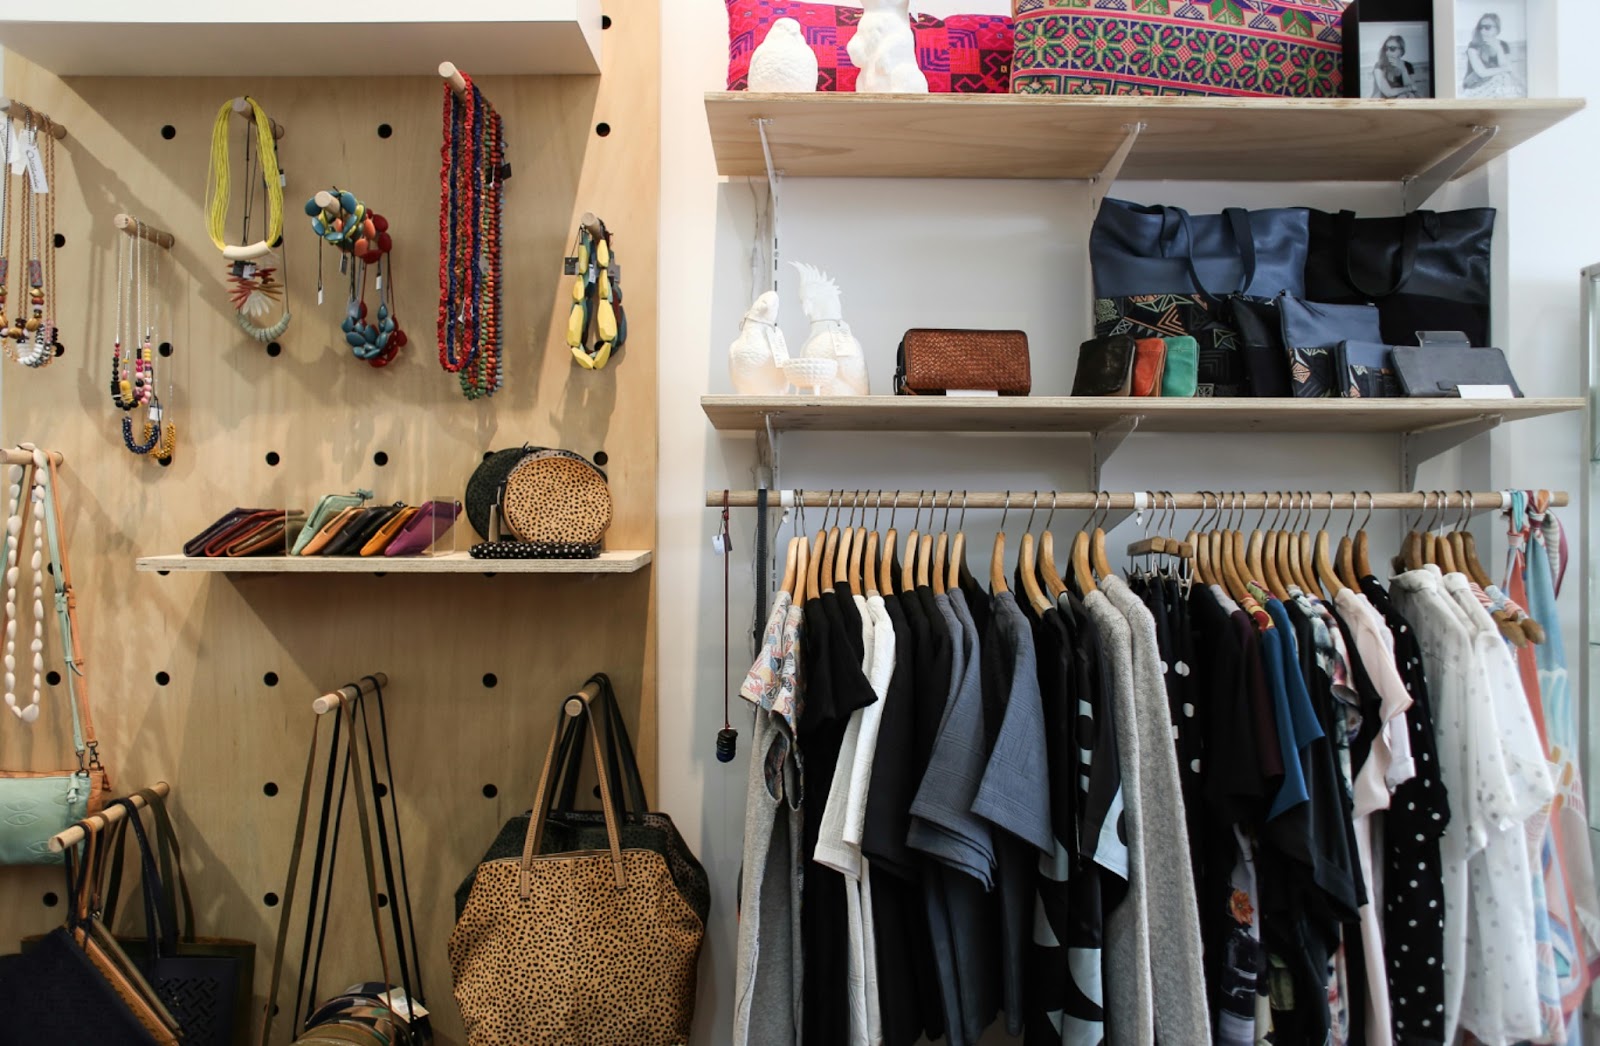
(16,521)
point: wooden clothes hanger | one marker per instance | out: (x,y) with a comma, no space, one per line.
(1082,571)
(941,548)
(1053,585)
(958,548)
(1272,554)
(1329,578)
(886,577)
(1344,558)
(830,549)
(1202,549)
(908,570)
(791,558)
(1097,545)
(1231,555)
(1028,567)
(870,557)
(997,561)
(818,555)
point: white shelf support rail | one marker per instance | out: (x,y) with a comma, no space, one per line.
(1100,185)
(766,470)
(1418,189)
(774,177)
(1422,445)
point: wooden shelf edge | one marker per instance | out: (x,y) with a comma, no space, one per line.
(623,561)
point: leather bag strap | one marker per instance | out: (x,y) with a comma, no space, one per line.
(372,878)
(83,737)
(1237,220)
(287,907)
(327,847)
(541,805)
(621,762)
(1406,263)
(400,891)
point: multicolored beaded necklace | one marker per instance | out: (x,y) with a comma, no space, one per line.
(31,342)
(362,238)
(135,387)
(472,177)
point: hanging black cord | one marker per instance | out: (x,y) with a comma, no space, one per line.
(727,737)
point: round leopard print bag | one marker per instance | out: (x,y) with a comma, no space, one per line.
(556,497)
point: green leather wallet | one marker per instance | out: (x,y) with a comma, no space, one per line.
(1182,376)
(330,505)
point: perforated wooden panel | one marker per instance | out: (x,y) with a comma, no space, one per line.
(206,681)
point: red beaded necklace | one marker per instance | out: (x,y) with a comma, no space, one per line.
(471,193)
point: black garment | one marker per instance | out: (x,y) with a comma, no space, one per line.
(908,986)
(834,688)
(1419,810)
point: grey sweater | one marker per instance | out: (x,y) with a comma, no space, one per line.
(1177,971)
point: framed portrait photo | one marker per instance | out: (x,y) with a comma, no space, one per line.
(1491,48)
(1388,50)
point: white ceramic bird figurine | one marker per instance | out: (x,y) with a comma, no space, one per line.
(885,50)
(757,355)
(784,61)
(830,336)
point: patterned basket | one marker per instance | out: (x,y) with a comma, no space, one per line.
(1260,48)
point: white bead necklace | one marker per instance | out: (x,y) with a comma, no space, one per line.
(30,712)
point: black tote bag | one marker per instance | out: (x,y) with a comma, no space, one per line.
(1161,272)
(1426,271)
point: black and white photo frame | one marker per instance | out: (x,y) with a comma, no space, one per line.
(1389,50)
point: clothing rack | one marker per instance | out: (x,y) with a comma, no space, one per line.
(1137,501)
(335,699)
(104,819)
(20,111)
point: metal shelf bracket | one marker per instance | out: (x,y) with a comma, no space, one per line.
(1104,443)
(1422,445)
(1417,189)
(766,470)
(1100,185)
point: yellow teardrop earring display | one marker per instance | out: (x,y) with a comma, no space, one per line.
(596,298)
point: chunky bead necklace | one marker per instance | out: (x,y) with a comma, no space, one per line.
(32,341)
(472,177)
(135,387)
(15,522)
(362,238)
(254,286)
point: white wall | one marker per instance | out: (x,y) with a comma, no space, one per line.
(1003,254)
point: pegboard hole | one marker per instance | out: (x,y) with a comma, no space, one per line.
(270,900)
(602,129)
(271,679)
(165,348)
(380,459)
(60,240)
(601,457)
(169,132)
(381,789)
(61,350)
(383,900)
(269,789)
(272,457)
(164,462)
(163,573)
(384,130)
(605,21)
(51,900)
(490,791)
(278,242)
(380,573)
(490,680)
(273,348)
(162,679)
(53,677)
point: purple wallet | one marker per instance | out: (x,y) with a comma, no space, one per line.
(432,522)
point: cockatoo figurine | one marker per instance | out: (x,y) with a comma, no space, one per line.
(784,61)
(757,355)
(830,336)
(885,50)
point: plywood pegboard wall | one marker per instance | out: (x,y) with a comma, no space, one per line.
(205,681)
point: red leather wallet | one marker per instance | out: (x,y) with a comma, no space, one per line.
(1149,361)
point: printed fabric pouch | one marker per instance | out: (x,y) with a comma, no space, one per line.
(1311,332)
(432,521)
(1149,360)
(330,505)
(1181,376)
(1365,370)
(1105,366)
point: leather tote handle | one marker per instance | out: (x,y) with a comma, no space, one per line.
(541,804)
(1237,220)
(160,928)
(1407,261)
(287,907)
(621,762)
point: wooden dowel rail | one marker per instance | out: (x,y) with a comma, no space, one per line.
(1481,501)
(18,456)
(21,111)
(328,201)
(242,107)
(336,699)
(575,702)
(452,75)
(109,816)
(134,227)
(591,224)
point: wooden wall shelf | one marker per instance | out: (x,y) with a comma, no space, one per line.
(620,562)
(304,38)
(1097,414)
(1066,136)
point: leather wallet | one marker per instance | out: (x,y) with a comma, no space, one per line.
(233,518)
(431,522)
(385,534)
(1181,375)
(1149,360)
(1311,331)
(268,537)
(1441,370)
(1105,366)
(329,506)
(1365,370)
(1266,364)
(358,533)
(329,530)
(930,362)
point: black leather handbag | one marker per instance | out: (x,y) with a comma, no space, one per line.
(1426,271)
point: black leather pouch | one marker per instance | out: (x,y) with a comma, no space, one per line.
(1365,370)
(1440,370)
(1266,365)
(1105,367)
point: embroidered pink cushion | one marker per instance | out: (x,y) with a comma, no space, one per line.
(961,54)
